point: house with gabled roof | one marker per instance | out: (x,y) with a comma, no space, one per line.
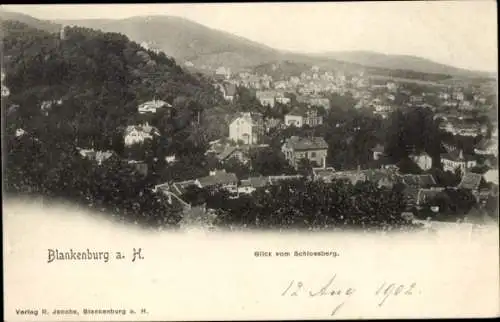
(386,178)
(423,160)
(266,98)
(233,152)
(247,128)
(136,134)
(218,179)
(253,183)
(315,149)
(300,116)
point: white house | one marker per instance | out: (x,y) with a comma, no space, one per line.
(228,91)
(391,86)
(135,134)
(423,160)
(223,72)
(152,106)
(294,120)
(20,132)
(266,98)
(246,127)
(456,159)
(302,116)
(378,152)
(5,91)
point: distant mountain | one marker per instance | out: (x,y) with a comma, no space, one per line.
(399,62)
(186,40)
(30,21)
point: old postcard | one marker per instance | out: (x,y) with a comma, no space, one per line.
(168,162)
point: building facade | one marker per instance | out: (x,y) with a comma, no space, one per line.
(315,149)
(247,128)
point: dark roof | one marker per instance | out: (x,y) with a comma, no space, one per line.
(375,175)
(219,178)
(313,143)
(456,156)
(323,172)
(227,152)
(470,181)
(180,187)
(378,148)
(352,176)
(424,195)
(298,110)
(256,182)
(419,180)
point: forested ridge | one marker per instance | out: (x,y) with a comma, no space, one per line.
(80,90)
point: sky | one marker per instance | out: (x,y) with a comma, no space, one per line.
(459,33)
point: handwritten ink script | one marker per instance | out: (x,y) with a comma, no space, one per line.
(382,293)
(90,255)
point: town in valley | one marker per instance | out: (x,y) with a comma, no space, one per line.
(115,124)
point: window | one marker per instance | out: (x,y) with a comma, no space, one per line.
(313,154)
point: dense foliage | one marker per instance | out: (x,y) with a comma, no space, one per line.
(81,91)
(305,204)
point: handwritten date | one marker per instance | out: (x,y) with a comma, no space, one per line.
(381,293)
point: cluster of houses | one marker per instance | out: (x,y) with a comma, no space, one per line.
(418,190)
(451,160)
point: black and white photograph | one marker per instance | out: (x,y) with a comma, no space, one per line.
(250,160)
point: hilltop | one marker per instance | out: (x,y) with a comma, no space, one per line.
(45,25)
(185,40)
(100,77)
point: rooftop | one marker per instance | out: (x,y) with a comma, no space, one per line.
(323,172)
(256,182)
(419,180)
(219,178)
(304,143)
(470,181)
(250,117)
(457,155)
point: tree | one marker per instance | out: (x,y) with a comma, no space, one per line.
(269,162)
(312,205)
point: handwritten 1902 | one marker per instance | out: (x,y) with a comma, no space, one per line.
(382,292)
